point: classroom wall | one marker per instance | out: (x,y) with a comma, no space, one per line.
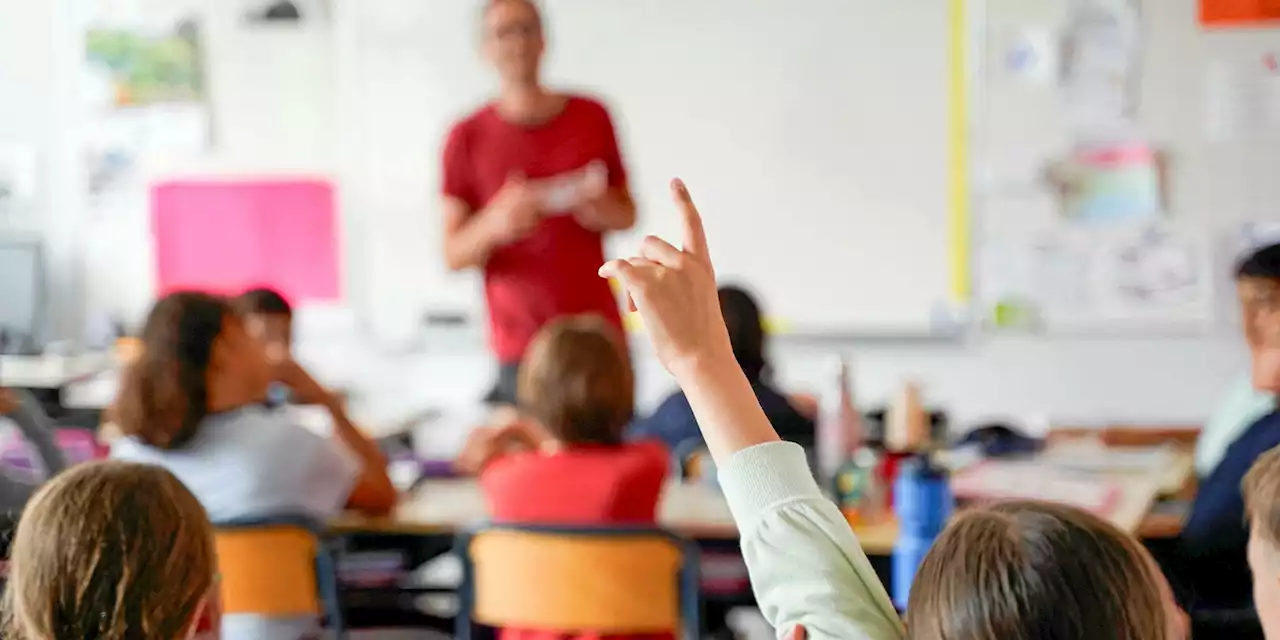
(35,103)
(1149,379)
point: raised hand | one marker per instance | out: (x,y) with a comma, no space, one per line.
(674,290)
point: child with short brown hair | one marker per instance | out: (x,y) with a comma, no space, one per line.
(571,467)
(112,550)
(576,392)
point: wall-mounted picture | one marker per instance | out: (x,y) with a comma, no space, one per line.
(146,98)
(145,68)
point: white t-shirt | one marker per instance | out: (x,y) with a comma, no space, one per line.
(256,463)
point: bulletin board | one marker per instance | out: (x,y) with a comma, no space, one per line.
(1205,101)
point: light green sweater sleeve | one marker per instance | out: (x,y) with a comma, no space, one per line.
(805,563)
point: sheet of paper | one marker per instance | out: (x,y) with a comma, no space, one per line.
(1072,279)
(18,177)
(1242,98)
(1093,455)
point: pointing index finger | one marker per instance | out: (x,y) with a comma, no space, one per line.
(695,236)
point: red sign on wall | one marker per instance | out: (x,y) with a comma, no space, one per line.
(1240,13)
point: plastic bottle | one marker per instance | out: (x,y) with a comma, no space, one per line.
(907,422)
(839,426)
(923,503)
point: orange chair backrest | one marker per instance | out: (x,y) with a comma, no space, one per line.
(268,570)
(609,583)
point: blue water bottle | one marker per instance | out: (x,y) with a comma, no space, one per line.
(922,502)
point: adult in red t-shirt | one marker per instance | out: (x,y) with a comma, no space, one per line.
(532,182)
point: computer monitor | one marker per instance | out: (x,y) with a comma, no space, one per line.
(22,295)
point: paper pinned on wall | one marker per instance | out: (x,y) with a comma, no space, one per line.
(18,169)
(1072,279)
(1242,98)
(228,236)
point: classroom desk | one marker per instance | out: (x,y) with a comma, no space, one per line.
(442,507)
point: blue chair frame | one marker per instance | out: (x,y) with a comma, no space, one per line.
(326,563)
(689,577)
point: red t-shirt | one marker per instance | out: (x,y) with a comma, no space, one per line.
(586,485)
(551,273)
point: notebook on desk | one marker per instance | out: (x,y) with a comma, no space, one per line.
(998,480)
(1094,456)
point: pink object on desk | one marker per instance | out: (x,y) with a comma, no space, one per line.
(227,236)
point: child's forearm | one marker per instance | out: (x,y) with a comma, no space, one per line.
(725,406)
(350,435)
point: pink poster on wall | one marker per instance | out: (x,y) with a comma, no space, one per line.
(227,236)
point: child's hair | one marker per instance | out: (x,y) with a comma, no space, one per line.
(1261,488)
(1262,264)
(109,550)
(1028,570)
(576,380)
(164,393)
(745,324)
(262,301)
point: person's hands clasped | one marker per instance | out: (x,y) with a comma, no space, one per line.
(674,291)
(514,212)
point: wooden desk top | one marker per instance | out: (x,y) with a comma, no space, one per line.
(445,506)
(439,507)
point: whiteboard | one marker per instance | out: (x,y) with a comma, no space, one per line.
(813,134)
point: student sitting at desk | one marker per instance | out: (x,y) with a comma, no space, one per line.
(573,468)
(1211,563)
(1258,289)
(674,424)
(192,403)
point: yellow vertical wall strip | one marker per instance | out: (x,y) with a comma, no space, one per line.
(958,172)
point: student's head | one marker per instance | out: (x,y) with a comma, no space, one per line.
(1024,571)
(1262,507)
(267,317)
(746,329)
(512,37)
(112,550)
(196,359)
(576,380)
(1258,288)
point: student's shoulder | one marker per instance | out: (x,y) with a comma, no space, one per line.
(515,467)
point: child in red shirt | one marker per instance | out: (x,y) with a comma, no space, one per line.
(569,465)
